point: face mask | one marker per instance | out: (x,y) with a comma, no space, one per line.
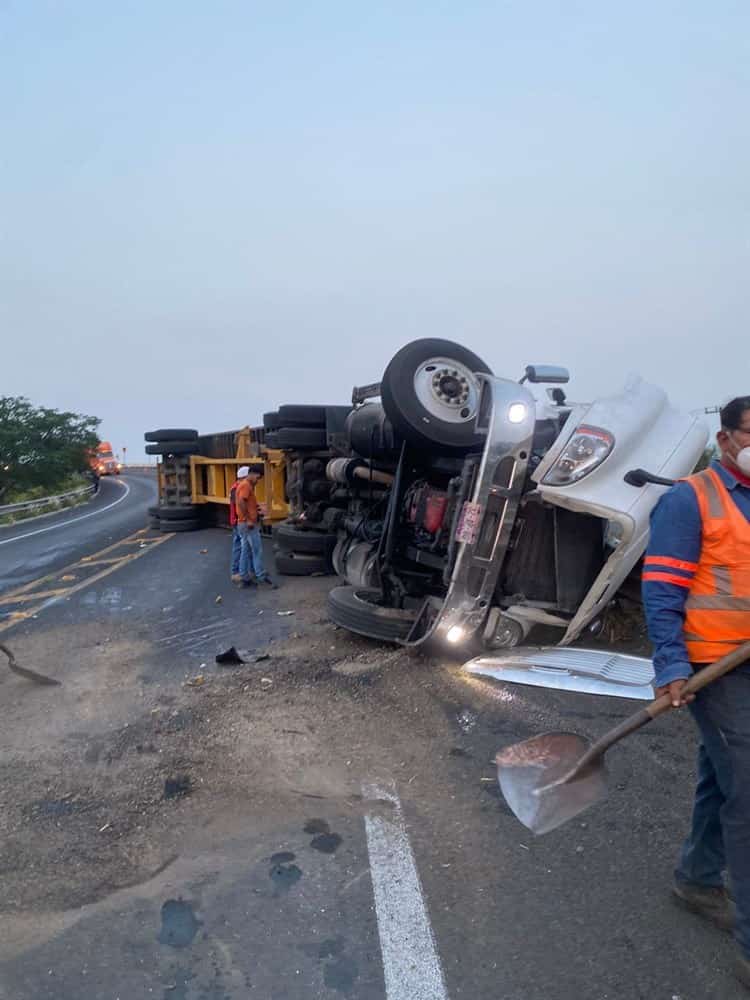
(742,461)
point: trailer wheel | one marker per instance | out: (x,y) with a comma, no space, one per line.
(430,394)
(300,564)
(172,434)
(289,539)
(297,438)
(172,448)
(357,610)
(297,415)
(188,524)
(186,513)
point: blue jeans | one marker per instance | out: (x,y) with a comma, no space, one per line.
(236,550)
(720,834)
(251,552)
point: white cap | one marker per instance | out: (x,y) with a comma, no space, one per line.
(243,472)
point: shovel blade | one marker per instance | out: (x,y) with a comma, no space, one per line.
(530,776)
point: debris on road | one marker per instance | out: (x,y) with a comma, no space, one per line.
(203,552)
(198,681)
(266,682)
(178,786)
(68,577)
(30,675)
(219,599)
(229,657)
(283,614)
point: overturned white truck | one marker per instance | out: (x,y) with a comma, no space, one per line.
(469,511)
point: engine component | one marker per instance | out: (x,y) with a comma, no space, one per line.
(371,433)
(427,508)
(502,631)
(346,470)
(361,565)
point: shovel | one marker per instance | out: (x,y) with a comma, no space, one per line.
(551,778)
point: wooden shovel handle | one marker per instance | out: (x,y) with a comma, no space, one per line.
(703,677)
(658,707)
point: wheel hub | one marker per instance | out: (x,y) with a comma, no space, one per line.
(448,390)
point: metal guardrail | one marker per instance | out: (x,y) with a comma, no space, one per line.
(19,508)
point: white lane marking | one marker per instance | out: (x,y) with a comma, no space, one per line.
(213,626)
(64,524)
(410,958)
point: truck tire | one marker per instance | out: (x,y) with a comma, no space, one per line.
(357,610)
(430,394)
(172,448)
(298,564)
(288,538)
(172,434)
(296,439)
(316,489)
(297,415)
(185,513)
(188,524)
(271,421)
(154,521)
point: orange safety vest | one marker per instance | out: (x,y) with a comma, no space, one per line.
(717,616)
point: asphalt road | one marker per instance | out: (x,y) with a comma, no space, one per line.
(320,821)
(42,545)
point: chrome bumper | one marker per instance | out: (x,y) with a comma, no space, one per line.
(495,497)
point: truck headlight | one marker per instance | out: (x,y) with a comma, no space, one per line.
(585,451)
(517,412)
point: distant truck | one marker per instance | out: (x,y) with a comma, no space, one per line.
(103,461)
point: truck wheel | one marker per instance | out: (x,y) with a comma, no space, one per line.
(187,512)
(187,524)
(271,421)
(299,564)
(172,448)
(357,610)
(296,415)
(172,434)
(430,394)
(291,539)
(296,438)
(317,489)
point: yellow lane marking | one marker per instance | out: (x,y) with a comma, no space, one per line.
(33,597)
(87,560)
(44,600)
(101,562)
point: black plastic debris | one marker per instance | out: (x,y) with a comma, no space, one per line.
(229,657)
(178,786)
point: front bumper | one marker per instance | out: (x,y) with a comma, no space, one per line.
(485,521)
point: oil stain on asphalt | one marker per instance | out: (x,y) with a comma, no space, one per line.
(324,840)
(284,875)
(178,924)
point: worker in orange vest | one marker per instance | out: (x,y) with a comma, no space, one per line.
(236,541)
(696,594)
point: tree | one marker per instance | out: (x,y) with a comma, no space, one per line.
(39,446)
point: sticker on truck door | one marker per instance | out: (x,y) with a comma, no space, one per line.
(468,523)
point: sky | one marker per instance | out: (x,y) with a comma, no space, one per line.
(210,209)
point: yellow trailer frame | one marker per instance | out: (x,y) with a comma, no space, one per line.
(211,479)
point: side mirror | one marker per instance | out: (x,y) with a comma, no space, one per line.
(546,373)
(639,477)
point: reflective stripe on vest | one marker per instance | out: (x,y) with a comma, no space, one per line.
(717,616)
